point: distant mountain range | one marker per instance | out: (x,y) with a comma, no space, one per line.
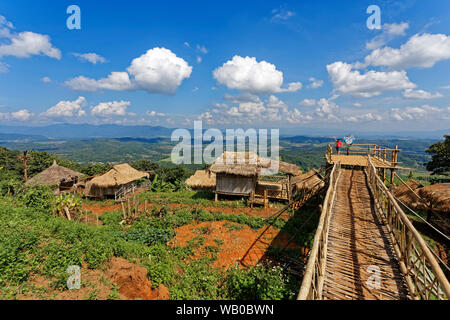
(86,131)
(83,131)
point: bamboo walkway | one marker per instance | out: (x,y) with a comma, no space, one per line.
(358,241)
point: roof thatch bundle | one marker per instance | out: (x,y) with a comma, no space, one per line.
(53,175)
(202,179)
(249,164)
(119,175)
(438,195)
(405,195)
(309,180)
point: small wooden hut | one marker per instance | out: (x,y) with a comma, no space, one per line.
(121,176)
(237,175)
(202,180)
(55,175)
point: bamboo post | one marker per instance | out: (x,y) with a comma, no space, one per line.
(216,197)
(136,208)
(265,198)
(66,210)
(145,206)
(124,214)
(129,207)
(289,189)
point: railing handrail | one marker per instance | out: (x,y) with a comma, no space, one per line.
(309,288)
(436,269)
(384,154)
(361,145)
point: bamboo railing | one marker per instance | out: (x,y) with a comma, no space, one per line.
(313,279)
(381,153)
(424,277)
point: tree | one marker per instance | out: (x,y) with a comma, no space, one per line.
(440,159)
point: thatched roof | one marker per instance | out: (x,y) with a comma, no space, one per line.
(308,180)
(438,195)
(249,164)
(404,194)
(119,175)
(202,179)
(53,175)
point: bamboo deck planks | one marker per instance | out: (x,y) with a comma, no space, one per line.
(357,239)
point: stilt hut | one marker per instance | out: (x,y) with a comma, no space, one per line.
(120,177)
(237,175)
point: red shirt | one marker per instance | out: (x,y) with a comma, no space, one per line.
(339,144)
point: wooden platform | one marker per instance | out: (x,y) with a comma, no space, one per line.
(357,160)
(358,239)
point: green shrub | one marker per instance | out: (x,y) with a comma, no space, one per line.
(149,236)
(39,198)
(257,283)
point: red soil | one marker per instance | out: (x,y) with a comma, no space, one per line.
(133,281)
(245,246)
(131,278)
(99,209)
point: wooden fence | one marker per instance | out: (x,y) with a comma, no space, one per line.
(381,153)
(313,279)
(424,277)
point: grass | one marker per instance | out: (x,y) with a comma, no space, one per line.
(203,198)
(34,242)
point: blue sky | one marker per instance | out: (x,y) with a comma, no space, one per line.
(291,64)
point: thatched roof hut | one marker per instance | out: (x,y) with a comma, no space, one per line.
(309,181)
(250,164)
(438,195)
(53,175)
(110,182)
(202,179)
(237,173)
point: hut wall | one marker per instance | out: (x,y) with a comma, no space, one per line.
(233,184)
(99,192)
(274,190)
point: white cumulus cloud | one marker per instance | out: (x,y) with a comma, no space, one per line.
(247,74)
(308,103)
(420,94)
(22,115)
(369,84)
(26,44)
(159,70)
(93,58)
(315,83)
(67,109)
(113,108)
(421,50)
(389,31)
